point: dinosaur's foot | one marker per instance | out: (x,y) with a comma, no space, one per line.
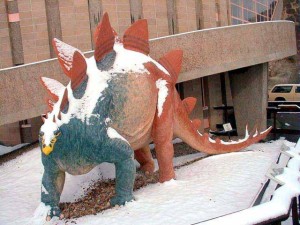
(147,168)
(120,200)
(166,175)
(55,211)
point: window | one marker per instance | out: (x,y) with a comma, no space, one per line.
(297,89)
(282,89)
(245,11)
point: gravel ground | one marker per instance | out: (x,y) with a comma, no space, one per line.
(97,196)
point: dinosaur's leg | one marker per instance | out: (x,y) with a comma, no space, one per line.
(162,135)
(52,186)
(121,154)
(144,157)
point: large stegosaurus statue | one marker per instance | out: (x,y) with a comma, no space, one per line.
(116,103)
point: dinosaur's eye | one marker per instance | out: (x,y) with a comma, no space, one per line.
(57,133)
(41,134)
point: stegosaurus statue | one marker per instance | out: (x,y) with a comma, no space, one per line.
(116,103)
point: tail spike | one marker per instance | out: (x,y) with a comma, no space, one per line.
(254,131)
(196,123)
(172,63)
(136,37)
(246,131)
(104,38)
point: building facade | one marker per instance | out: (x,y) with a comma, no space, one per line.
(28,26)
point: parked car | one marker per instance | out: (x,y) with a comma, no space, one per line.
(285,92)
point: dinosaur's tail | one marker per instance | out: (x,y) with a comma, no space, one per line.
(186,130)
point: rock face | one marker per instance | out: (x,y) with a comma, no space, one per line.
(287,70)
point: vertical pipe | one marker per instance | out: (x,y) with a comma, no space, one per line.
(15,32)
(53,23)
(136,10)
(199,20)
(228,12)
(95,14)
(172,17)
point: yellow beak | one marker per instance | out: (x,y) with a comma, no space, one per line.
(47,150)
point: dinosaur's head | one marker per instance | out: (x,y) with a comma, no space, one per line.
(49,133)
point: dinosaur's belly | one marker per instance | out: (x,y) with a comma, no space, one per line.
(133,108)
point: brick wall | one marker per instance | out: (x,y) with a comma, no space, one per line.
(155,12)
(34,30)
(75,25)
(186,14)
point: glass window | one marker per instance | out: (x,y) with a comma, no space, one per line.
(236,21)
(297,89)
(236,11)
(260,9)
(244,11)
(237,2)
(249,4)
(282,89)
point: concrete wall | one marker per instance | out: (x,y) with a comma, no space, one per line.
(206,52)
(250,96)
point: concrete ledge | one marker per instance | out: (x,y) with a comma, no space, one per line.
(206,52)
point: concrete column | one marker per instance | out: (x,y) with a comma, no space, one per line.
(15,32)
(198,6)
(172,17)
(208,14)
(223,12)
(95,14)
(250,96)
(193,88)
(53,23)
(136,10)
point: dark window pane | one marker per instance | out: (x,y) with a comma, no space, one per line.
(282,89)
(297,89)
(236,11)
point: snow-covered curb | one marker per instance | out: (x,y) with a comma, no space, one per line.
(279,204)
(4,149)
(212,187)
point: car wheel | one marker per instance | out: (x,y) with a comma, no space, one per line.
(280,99)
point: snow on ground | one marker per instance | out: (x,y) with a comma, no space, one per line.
(6,149)
(211,187)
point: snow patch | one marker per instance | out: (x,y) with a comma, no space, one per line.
(162,94)
(53,86)
(48,128)
(65,52)
(127,60)
(44,190)
(112,133)
(40,214)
